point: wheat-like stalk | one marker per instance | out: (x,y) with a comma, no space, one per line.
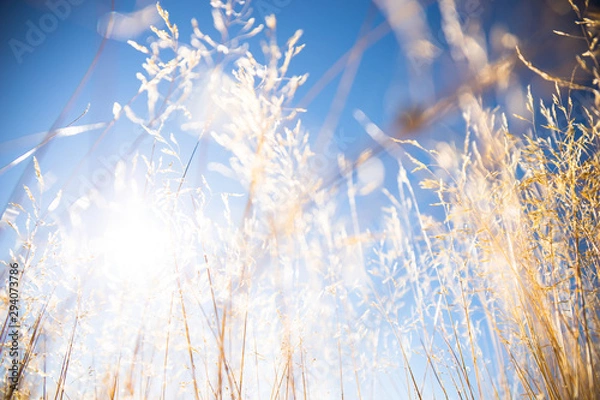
(257,278)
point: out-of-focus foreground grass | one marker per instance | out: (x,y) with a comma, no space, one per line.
(280,289)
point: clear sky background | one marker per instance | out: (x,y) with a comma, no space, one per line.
(42,72)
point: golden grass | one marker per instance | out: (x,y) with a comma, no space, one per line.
(286,292)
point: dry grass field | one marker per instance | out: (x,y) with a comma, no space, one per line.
(165,285)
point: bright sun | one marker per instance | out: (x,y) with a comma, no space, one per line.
(135,244)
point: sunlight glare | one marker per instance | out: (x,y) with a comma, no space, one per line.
(135,244)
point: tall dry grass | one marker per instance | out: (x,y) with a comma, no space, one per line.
(277,288)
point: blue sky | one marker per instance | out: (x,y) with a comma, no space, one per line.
(41,73)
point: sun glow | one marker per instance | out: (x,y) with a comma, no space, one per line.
(134,246)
